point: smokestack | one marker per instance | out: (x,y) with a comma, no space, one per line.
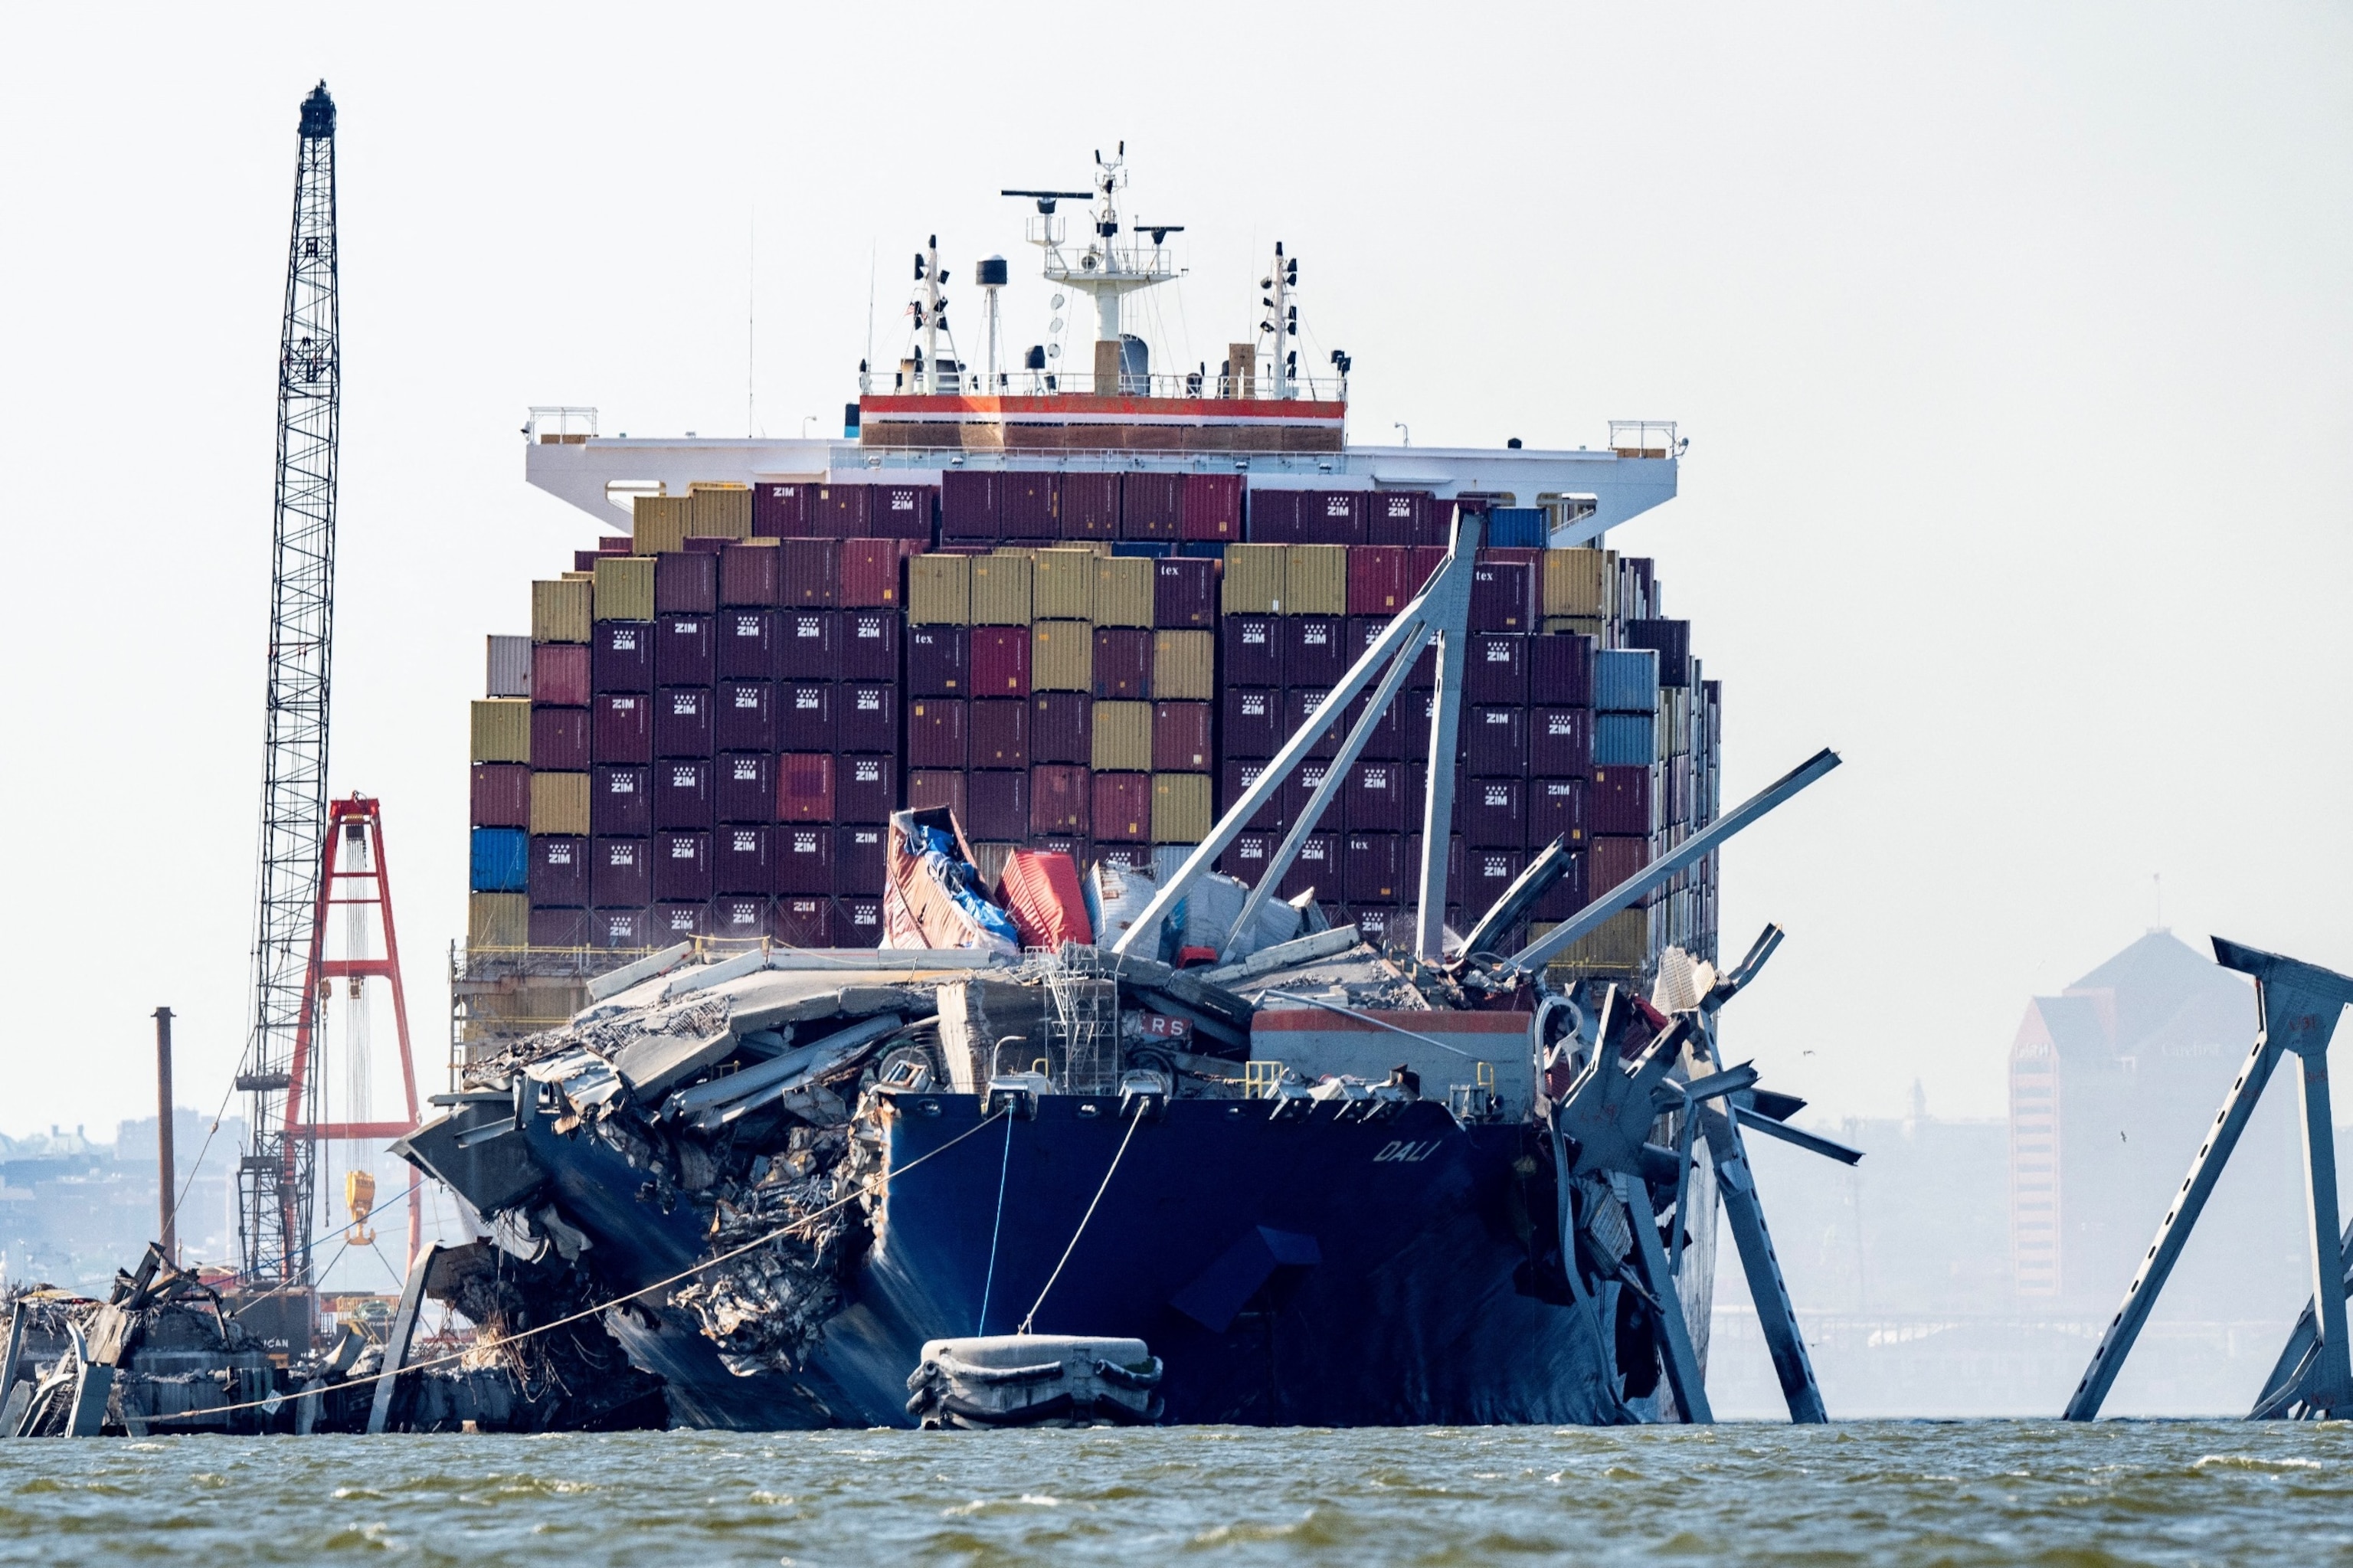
(166,1169)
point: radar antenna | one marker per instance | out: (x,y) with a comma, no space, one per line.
(1105,269)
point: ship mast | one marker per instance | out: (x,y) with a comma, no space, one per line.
(1105,270)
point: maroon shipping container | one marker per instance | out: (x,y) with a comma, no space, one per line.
(620,801)
(1377,584)
(686,582)
(1061,728)
(623,727)
(680,921)
(1245,859)
(1071,844)
(1237,775)
(558,927)
(1316,866)
(682,794)
(1316,650)
(804,787)
(858,922)
(684,655)
(1000,661)
(1386,741)
(1422,561)
(1496,669)
(873,573)
(1274,517)
(621,657)
(1557,810)
(1090,505)
(780,511)
(1495,812)
(615,545)
(741,862)
(1455,868)
(805,857)
(1331,517)
(1495,740)
(866,789)
(807,716)
(1252,650)
(1252,722)
(996,806)
(904,511)
(865,718)
(1398,517)
(869,644)
(1185,593)
(1028,505)
(1372,869)
(1560,669)
(682,866)
(1299,789)
(933,789)
(584,561)
(1180,738)
(1061,799)
(745,716)
(745,787)
(559,674)
(1123,663)
(1613,859)
(747,644)
(809,645)
(557,876)
(738,919)
(1560,740)
(1000,736)
(939,662)
(500,795)
(559,740)
(1504,597)
(839,510)
(1487,871)
(810,577)
(622,928)
(1568,894)
(971,505)
(1619,802)
(683,722)
(750,576)
(1121,809)
(1151,505)
(1213,508)
(803,922)
(1301,703)
(620,873)
(859,858)
(1372,800)
(938,733)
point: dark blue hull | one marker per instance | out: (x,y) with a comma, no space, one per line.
(1311,1272)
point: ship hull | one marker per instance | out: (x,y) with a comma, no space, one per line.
(1322,1270)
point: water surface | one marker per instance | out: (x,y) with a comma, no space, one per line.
(1875,1492)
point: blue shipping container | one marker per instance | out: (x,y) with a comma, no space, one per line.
(1199,549)
(501,860)
(1626,680)
(1517,527)
(1156,549)
(1625,740)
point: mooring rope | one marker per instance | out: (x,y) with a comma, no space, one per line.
(1004,1168)
(1135,1122)
(505,1340)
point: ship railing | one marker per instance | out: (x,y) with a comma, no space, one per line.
(1643,437)
(1082,383)
(560,425)
(1261,1078)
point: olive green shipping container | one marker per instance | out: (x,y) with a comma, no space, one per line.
(1576,582)
(1062,656)
(1253,580)
(1000,589)
(501,729)
(624,587)
(1619,945)
(1185,666)
(563,610)
(497,920)
(657,523)
(939,590)
(1315,579)
(1180,808)
(1122,737)
(1062,584)
(1124,590)
(719,510)
(559,803)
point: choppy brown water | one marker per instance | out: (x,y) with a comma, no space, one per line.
(2187,1492)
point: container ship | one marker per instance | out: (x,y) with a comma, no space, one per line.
(1072,616)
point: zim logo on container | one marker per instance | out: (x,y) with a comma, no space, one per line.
(1499,653)
(747,771)
(625,642)
(1405,1153)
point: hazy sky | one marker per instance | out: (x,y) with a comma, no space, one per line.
(2013,344)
